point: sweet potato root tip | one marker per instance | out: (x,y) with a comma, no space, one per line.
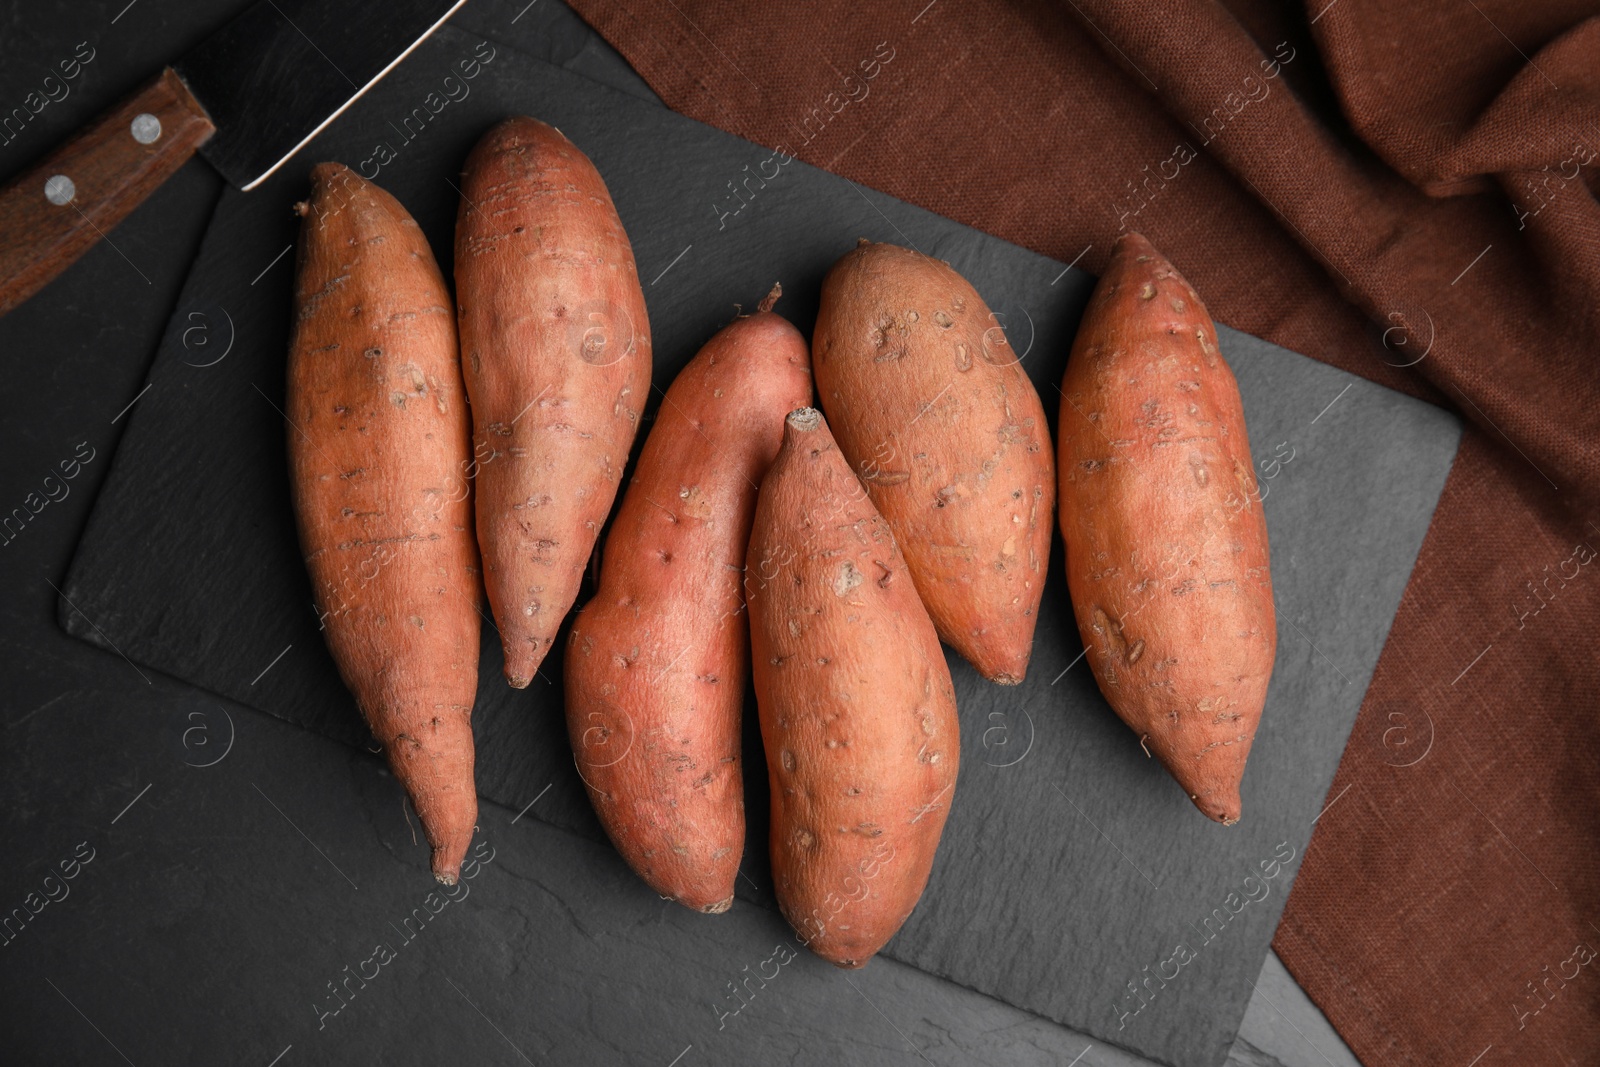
(771,299)
(1222,804)
(1166,543)
(805,420)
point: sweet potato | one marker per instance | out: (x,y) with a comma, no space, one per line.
(931,407)
(657,661)
(1165,538)
(378,439)
(857,711)
(555,344)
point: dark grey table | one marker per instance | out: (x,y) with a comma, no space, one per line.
(221,887)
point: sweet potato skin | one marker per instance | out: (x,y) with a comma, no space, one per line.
(555,346)
(657,661)
(1166,543)
(858,714)
(930,405)
(378,439)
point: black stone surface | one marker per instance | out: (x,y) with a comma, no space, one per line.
(221,903)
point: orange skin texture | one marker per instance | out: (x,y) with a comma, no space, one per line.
(657,661)
(858,715)
(555,347)
(378,442)
(932,408)
(1166,543)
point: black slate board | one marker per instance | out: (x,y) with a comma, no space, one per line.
(1070,862)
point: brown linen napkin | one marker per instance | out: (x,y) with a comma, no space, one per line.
(1406,192)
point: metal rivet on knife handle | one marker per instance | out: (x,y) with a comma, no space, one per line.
(146,128)
(60,190)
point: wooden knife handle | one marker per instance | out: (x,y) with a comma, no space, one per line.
(53,212)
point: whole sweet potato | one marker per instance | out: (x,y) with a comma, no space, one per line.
(657,661)
(858,714)
(931,407)
(1166,541)
(555,345)
(378,439)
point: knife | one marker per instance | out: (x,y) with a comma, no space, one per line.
(247,99)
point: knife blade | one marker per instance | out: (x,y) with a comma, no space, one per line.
(247,98)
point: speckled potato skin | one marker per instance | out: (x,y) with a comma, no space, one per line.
(933,410)
(378,442)
(1166,543)
(858,715)
(657,661)
(555,346)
